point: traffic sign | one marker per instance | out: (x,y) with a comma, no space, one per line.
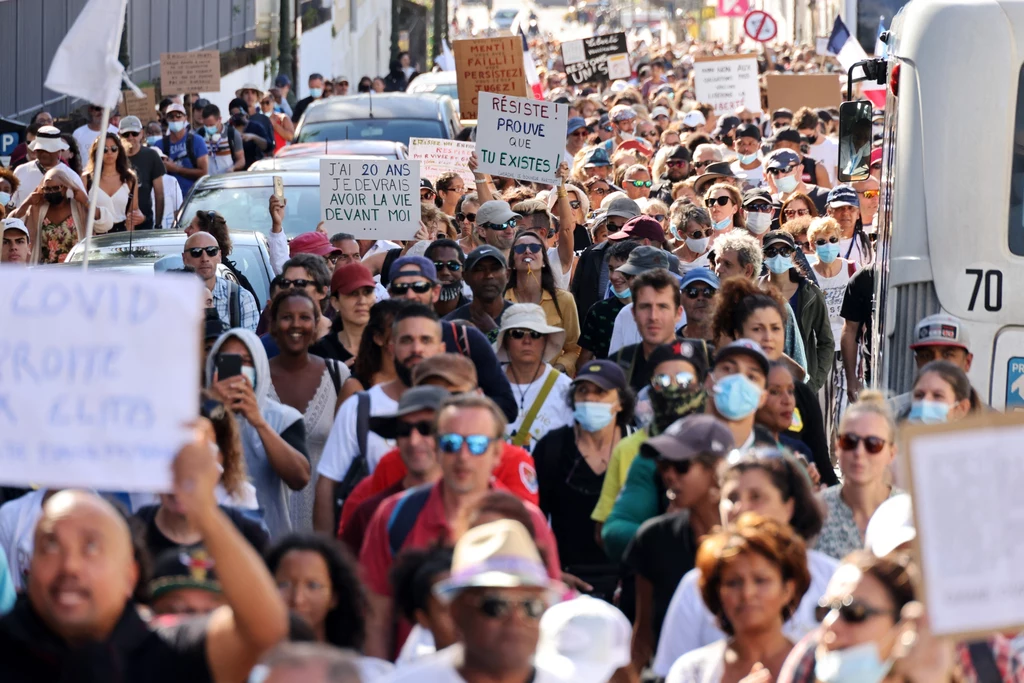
(733,8)
(760,26)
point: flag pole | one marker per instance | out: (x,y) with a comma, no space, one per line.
(97,170)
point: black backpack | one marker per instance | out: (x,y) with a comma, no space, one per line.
(359,469)
(190,151)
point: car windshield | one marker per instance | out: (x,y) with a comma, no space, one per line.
(247,208)
(449,89)
(395,130)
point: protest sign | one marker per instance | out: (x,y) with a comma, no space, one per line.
(437,156)
(727,82)
(99,374)
(143,107)
(521,138)
(598,58)
(963,478)
(817,91)
(488,64)
(371,198)
(187,72)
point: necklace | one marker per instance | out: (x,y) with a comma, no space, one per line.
(522,396)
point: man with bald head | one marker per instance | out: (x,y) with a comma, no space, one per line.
(235,305)
(77,620)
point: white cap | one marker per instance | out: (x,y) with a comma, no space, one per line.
(660,111)
(14,224)
(891,526)
(592,634)
(694,118)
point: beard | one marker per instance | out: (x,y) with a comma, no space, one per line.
(404,372)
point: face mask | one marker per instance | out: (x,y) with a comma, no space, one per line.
(593,417)
(811,139)
(779,264)
(624,294)
(211,130)
(673,403)
(747,158)
(5,198)
(626,136)
(451,292)
(316,92)
(758,223)
(855,664)
(698,246)
(249,373)
(54,197)
(827,252)
(175,126)
(736,397)
(786,184)
(278,109)
(723,224)
(153,140)
(929,412)
(728,142)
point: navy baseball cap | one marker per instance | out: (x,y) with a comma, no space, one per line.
(604,373)
(282,80)
(413,265)
(575,123)
(480,253)
(843,195)
(745,347)
(705,275)
(782,158)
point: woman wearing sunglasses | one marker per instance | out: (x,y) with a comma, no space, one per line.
(798,205)
(691,230)
(597,189)
(865,449)
(773,484)
(531,281)
(725,204)
(117,180)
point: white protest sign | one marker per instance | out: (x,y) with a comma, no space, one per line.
(99,373)
(371,198)
(437,156)
(728,82)
(520,138)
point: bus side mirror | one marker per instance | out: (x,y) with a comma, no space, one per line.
(855,134)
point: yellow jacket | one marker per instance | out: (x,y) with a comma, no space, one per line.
(569,321)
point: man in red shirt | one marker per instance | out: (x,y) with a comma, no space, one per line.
(469,433)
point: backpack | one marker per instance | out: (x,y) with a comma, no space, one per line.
(403,517)
(359,469)
(190,151)
(234,304)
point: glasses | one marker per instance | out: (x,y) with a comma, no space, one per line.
(850,610)
(680,466)
(701,164)
(772,252)
(651,134)
(694,292)
(453,266)
(130,134)
(581,133)
(697,234)
(793,213)
(519,334)
(574,204)
(452,443)
(872,444)
(868,194)
(510,223)
(196,252)
(296,284)
(675,163)
(613,227)
(640,183)
(404,429)
(606,129)
(426,194)
(494,607)
(110,150)
(333,257)
(831,240)
(759,208)
(721,201)
(665,380)
(601,191)
(471,217)
(803,245)
(779,171)
(533,248)
(418,287)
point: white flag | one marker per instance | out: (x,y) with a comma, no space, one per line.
(85,64)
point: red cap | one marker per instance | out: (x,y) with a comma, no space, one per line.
(641,228)
(876,156)
(311,243)
(350,277)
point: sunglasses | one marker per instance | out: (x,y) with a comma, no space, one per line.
(641,183)
(793,213)
(418,287)
(651,134)
(533,248)
(803,245)
(427,194)
(612,227)
(694,292)
(680,466)
(606,129)
(721,201)
(581,133)
(665,380)
(452,443)
(830,240)
(759,208)
(471,217)
(675,163)
(453,266)
(872,444)
(779,171)
(510,223)
(697,234)
(519,334)
(869,194)
(333,257)
(196,252)
(601,191)
(404,429)
(772,252)
(296,284)
(494,607)
(130,134)
(574,204)
(110,150)
(850,610)
(701,164)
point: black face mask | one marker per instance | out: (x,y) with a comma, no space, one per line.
(672,404)
(55,197)
(451,292)
(811,139)
(727,141)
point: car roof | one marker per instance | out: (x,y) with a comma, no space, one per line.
(432,77)
(379,105)
(144,239)
(341,148)
(257,179)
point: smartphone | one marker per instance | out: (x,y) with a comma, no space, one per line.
(228,365)
(279,187)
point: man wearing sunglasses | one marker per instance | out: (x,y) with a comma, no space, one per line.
(844,206)
(637,182)
(575,137)
(590,283)
(868,191)
(812,172)
(784,173)
(448,260)
(677,167)
(497,223)
(699,287)
(235,305)
(149,169)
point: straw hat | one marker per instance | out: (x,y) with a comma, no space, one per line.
(529,317)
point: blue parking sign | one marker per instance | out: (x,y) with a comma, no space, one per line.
(1015,383)
(8,141)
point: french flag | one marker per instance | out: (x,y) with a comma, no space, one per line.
(530,68)
(848,51)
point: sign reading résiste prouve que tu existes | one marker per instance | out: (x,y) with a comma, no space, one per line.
(371,198)
(521,138)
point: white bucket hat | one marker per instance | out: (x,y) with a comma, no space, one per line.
(591,634)
(529,317)
(48,139)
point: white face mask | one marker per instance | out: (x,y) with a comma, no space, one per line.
(855,664)
(249,373)
(698,246)
(758,223)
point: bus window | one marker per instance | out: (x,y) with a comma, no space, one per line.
(1016,227)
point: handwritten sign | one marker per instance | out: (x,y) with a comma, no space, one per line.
(437,156)
(186,72)
(98,374)
(727,82)
(144,107)
(488,64)
(598,58)
(371,198)
(521,138)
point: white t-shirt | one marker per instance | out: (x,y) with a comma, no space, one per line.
(84,136)
(754,176)
(689,625)
(561,278)
(442,667)
(701,261)
(834,289)
(172,200)
(554,413)
(29,176)
(625,331)
(827,152)
(856,255)
(18,520)
(342,444)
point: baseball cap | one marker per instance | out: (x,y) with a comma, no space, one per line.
(496,212)
(200,103)
(745,347)
(178,568)
(843,195)
(596,157)
(705,275)
(174,106)
(413,265)
(604,373)
(350,277)
(694,119)
(282,80)
(14,224)
(425,184)
(941,329)
(622,112)
(787,134)
(678,152)
(756,196)
(659,111)
(590,634)
(130,124)
(891,526)
(412,401)
(748,130)
(778,237)
(620,207)
(311,243)
(781,159)
(689,437)
(643,259)
(484,251)
(641,228)
(692,351)
(454,368)
(726,125)
(876,156)
(781,113)
(574,124)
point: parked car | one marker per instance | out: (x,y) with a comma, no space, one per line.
(381,116)
(439,82)
(306,156)
(504,18)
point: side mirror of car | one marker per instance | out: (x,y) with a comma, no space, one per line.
(855,134)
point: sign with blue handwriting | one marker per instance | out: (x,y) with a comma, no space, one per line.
(372,199)
(521,138)
(99,376)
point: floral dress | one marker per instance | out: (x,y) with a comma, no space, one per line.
(56,240)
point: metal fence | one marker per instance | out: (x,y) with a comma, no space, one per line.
(32,30)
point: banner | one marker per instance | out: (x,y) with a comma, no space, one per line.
(437,156)
(99,375)
(727,82)
(143,107)
(596,59)
(372,199)
(521,138)
(188,72)
(488,64)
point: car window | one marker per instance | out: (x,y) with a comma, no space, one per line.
(395,130)
(248,259)
(246,208)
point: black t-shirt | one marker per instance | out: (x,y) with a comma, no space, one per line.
(580,238)
(813,432)
(463,313)
(633,362)
(859,305)
(156,542)
(148,166)
(819,196)
(598,325)
(330,347)
(174,650)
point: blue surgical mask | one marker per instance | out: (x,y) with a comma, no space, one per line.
(175,126)
(827,252)
(278,109)
(786,184)
(249,373)
(5,198)
(747,158)
(211,130)
(316,92)
(153,140)
(736,397)
(929,412)
(593,417)
(624,294)
(855,664)
(723,224)
(779,264)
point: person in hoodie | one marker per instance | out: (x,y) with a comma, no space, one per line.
(273,434)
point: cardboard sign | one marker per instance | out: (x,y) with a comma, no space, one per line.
(728,82)
(803,90)
(187,72)
(437,156)
(521,138)
(488,64)
(143,107)
(964,482)
(99,373)
(371,198)
(596,59)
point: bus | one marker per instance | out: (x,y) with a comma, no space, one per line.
(951,217)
